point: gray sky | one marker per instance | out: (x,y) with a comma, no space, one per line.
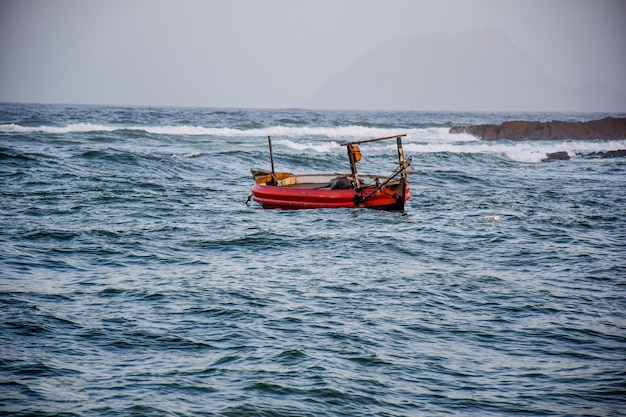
(270,53)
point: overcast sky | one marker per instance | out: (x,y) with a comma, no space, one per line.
(270,53)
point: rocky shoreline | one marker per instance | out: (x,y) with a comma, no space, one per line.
(609,128)
(564,156)
(606,128)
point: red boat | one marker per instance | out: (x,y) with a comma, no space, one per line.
(284,190)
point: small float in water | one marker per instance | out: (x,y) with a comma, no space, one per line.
(284,190)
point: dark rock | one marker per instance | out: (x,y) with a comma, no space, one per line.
(564,156)
(556,156)
(620,153)
(607,128)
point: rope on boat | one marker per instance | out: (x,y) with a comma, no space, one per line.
(394,174)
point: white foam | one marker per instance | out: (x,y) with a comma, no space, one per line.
(342,132)
(321,147)
(193,155)
(526,151)
(439,134)
(418,140)
(78,127)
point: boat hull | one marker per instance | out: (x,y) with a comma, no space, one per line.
(279,197)
(284,190)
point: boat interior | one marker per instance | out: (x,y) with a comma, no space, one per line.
(319,181)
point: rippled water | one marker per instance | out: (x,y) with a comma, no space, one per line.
(134,280)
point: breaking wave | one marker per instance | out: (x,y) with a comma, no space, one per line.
(418,140)
(525,151)
(354,131)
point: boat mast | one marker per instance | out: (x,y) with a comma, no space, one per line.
(403,174)
(274,179)
(353,161)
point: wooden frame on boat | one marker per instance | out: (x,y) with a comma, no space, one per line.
(306,191)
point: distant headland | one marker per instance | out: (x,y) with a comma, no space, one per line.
(606,128)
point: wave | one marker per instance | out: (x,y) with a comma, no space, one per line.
(418,140)
(72,128)
(320,147)
(527,151)
(340,132)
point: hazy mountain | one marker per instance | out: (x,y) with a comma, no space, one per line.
(480,69)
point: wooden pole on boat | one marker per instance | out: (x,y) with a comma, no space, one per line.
(358,142)
(353,161)
(403,173)
(274,179)
(269,139)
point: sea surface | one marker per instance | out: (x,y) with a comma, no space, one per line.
(136,281)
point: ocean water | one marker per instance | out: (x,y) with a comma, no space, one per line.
(135,280)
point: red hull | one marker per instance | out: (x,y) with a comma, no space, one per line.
(388,198)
